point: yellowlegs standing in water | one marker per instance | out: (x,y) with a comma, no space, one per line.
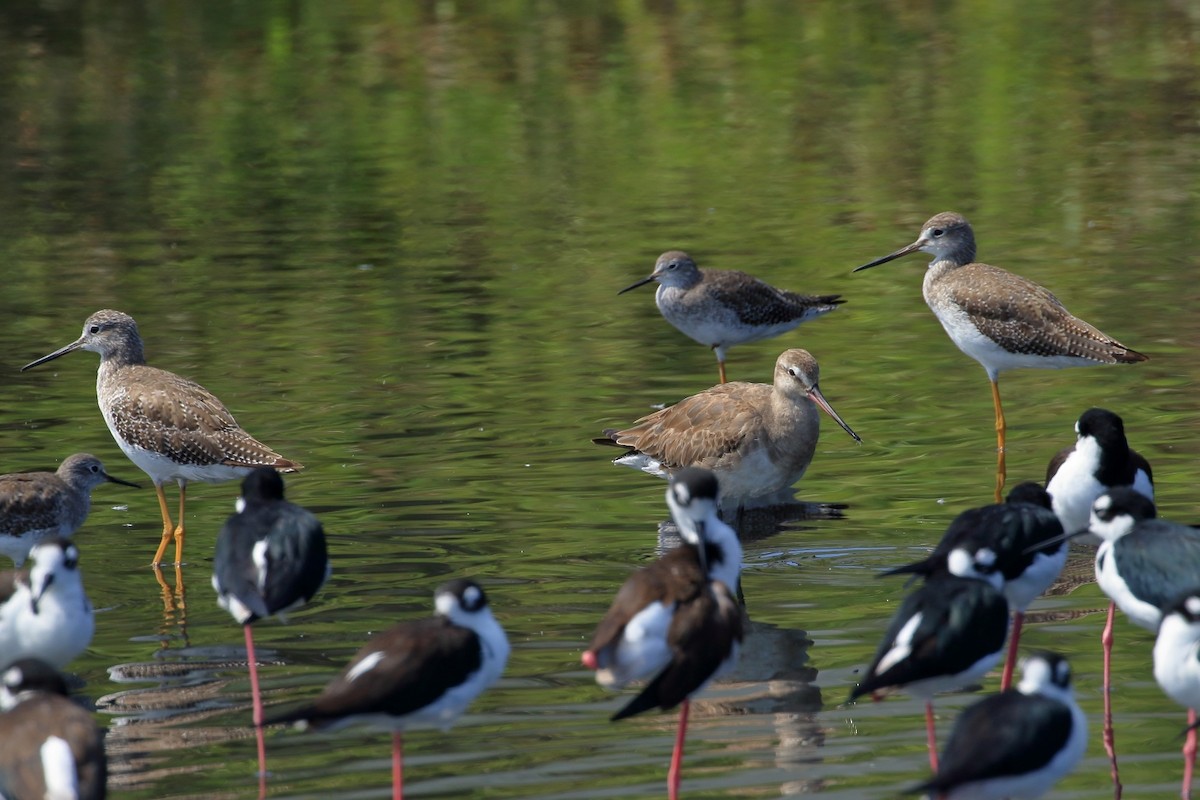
(170,427)
(46,614)
(758,438)
(426,670)
(271,559)
(52,746)
(723,308)
(1001,320)
(35,505)
(677,622)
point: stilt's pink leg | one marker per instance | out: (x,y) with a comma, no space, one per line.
(397,766)
(931,737)
(1110,747)
(673,775)
(1011,661)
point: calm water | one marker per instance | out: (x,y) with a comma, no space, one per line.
(389,237)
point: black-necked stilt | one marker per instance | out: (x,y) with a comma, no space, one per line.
(1016,744)
(1100,459)
(52,747)
(1143,564)
(946,635)
(270,559)
(1177,668)
(723,308)
(426,670)
(676,622)
(46,614)
(37,505)
(170,427)
(757,438)
(1001,320)
(1026,537)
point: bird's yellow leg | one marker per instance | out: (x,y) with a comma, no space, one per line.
(179,527)
(1001,430)
(168,529)
(721,370)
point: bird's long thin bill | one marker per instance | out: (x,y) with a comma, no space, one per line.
(642,282)
(903,251)
(1062,537)
(111,479)
(819,399)
(62,351)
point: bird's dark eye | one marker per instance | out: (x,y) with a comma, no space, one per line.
(937,231)
(94,329)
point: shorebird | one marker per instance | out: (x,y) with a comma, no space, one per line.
(52,747)
(46,614)
(270,559)
(1101,459)
(426,670)
(1177,668)
(724,308)
(946,635)
(757,438)
(37,505)
(169,426)
(1144,564)
(677,622)
(1016,744)
(1001,320)
(1030,549)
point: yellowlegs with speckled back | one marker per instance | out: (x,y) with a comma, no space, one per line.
(1001,320)
(170,427)
(723,308)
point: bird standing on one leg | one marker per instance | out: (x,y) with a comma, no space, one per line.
(676,622)
(271,558)
(1000,319)
(723,308)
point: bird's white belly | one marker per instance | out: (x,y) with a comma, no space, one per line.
(1176,666)
(1141,613)
(994,358)
(162,469)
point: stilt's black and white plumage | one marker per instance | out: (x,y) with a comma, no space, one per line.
(677,622)
(426,670)
(49,746)
(946,635)
(1143,564)
(1100,459)
(1177,668)
(1027,538)
(271,558)
(1016,744)
(45,614)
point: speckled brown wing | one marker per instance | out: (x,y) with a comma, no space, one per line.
(421,660)
(674,577)
(759,303)
(704,632)
(702,429)
(26,727)
(30,501)
(160,411)
(1023,317)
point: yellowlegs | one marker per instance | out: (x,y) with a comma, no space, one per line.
(675,623)
(425,670)
(46,614)
(758,438)
(270,559)
(52,746)
(723,308)
(169,426)
(1001,320)
(35,505)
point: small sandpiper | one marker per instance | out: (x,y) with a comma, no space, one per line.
(1001,320)
(37,505)
(757,438)
(724,308)
(170,427)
